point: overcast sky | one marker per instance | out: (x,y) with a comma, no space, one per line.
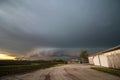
(27,24)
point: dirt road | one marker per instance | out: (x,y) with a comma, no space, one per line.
(66,72)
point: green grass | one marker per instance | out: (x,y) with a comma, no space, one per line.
(107,70)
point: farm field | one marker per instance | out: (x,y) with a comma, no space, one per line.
(10,67)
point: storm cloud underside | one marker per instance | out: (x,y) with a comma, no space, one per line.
(26,24)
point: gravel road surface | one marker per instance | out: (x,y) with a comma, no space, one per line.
(66,72)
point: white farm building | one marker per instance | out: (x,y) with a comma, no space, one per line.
(109,58)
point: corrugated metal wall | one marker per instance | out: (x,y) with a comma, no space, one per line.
(109,59)
(114,61)
(103,60)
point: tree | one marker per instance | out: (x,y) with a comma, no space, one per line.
(84,56)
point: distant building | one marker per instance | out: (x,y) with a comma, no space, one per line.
(73,61)
(109,58)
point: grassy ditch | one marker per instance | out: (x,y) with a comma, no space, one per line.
(27,67)
(108,70)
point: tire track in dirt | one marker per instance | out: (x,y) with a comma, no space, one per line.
(70,75)
(47,77)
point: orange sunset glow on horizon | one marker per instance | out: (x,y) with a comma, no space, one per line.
(6,57)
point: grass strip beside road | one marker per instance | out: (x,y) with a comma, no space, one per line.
(108,70)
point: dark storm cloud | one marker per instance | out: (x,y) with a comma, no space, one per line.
(26,24)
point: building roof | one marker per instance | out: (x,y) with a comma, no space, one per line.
(111,49)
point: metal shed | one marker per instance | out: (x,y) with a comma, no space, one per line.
(108,58)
